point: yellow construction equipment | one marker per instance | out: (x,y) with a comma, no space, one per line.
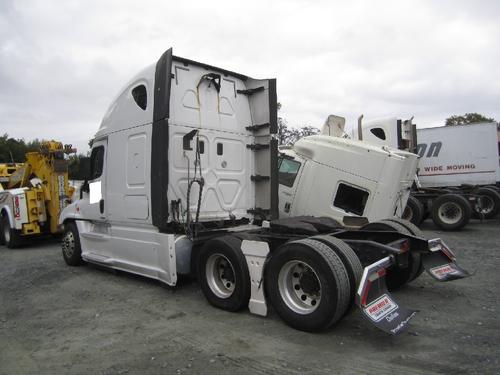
(36,192)
(6,170)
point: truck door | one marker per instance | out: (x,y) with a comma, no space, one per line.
(288,176)
(95,208)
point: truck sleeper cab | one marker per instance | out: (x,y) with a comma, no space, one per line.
(184,179)
(330,176)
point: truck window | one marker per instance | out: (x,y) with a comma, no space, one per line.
(96,162)
(378,132)
(140,96)
(288,171)
(350,199)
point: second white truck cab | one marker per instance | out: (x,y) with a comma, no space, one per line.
(324,175)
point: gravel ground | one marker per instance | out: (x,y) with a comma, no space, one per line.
(58,319)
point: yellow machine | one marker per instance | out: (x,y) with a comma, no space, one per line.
(37,191)
(6,170)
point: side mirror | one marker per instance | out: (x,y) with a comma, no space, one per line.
(85,175)
(84,188)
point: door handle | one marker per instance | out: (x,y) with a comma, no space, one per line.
(101,206)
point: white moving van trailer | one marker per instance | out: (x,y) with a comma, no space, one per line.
(458,168)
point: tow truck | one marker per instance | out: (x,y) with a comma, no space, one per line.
(35,194)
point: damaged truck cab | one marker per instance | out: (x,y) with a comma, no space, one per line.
(184,180)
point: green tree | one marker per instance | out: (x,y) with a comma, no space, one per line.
(12,150)
(468,118)
(287,136)
(78,167)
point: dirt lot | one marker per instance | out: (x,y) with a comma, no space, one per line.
(57,319)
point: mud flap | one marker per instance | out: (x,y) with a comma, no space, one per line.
(440,262)
(377,304)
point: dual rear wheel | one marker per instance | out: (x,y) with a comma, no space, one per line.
(397,277)
(311,283)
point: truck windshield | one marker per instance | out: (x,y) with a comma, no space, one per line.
(288,171)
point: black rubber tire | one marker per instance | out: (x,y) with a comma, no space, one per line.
(14,238)
(414,230)
(494,197)
(349,259)
(411,227)
(2,240)
(70,245)
(414,211)
(230,248)
(460,202)
(332,277)
(426,215)
(397,277)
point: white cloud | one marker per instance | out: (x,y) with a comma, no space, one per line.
(62,62)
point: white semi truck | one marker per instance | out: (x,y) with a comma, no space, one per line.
(184,180)
(348,180)
(458,169)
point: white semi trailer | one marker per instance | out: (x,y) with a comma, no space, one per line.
(184,180)
(458,168)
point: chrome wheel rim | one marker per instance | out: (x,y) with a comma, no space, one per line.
(450,213)
(68,244)
(220,275)
(300,287)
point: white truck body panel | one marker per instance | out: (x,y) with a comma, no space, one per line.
(123,227)
(391,132)
(456,155)
(13,204)
(332,166)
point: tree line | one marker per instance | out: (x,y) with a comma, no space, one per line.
(15,149)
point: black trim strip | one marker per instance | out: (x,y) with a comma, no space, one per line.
(273,129)
(249,92)
(273,107)
(258,178)
(399,128)
(210,67)
(160,141)
(274,180)
(257,146)
(254,128)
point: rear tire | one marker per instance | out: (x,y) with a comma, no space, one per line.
(414,211)
(397,277)
(70,245)
(451,212)
(415,231)
(411,227)
(307,284)
(491,202)
(10,236)
(223,273)
(349,259)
